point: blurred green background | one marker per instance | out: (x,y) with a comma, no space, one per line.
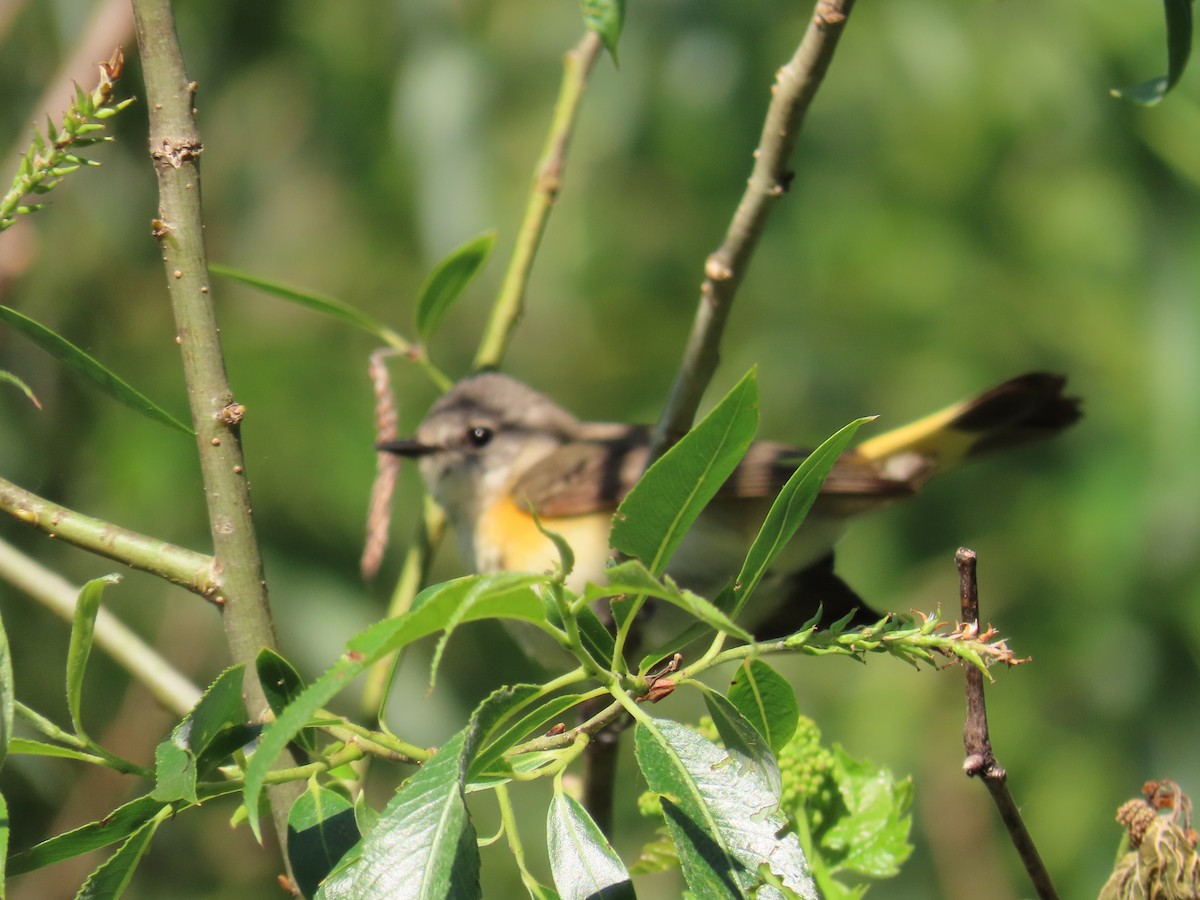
(969,204)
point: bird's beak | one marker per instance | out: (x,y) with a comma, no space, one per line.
(408,447)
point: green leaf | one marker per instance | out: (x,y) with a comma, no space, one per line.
(527,727)
(321,828)
(788,511)
(3,844)
(28,747)
(722,818)
(584,864)
(83,364)
(872,837)
(606,18)
(766,700)
(12,379)
(508,595)
(330,306)
(498,733)
(743,741)
(109,881)
(282,684)
(7,699)
(448,280)
(656,514)
(116,826)
(87,606)
(633,578)
(208,734)
(1179,49)
(423,846)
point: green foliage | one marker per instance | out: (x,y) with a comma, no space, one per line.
(448,280)
(83,364)
(582,860)
(606,18)
(1179,49)
(321,830)
(49,160)
(86,609)
(766,701)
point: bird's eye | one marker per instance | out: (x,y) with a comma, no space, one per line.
(479,436)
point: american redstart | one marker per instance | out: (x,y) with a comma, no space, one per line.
(492,450)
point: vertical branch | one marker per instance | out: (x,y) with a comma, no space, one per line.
(577,66)
(980,760)
(175,147)
(795,86)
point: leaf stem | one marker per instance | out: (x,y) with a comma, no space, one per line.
(547,180)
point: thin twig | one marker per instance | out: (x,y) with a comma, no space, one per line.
(547,180)
(174,148)
(165,683)
(980,760)
(180,566)
(792,93)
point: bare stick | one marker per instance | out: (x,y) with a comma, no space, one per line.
(792,93)
(174,148)
(980,761)
(165,683)
(547,179)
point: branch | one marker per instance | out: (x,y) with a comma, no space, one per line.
(792,93)
(978,746)
(165,683)
(547,180)
(180,566)
(174,147)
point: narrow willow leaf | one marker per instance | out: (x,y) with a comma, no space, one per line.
(116,826)
(633,578)
(723,818)
(1179,49)
(87,606)
(656,514)
(78,361)
(583,862)
(3,845)
(606,18)
(743,741)
(321,829)
(523,729)
(109,881)
(29,747)
(766,700)
(448,280)
(7,699)
(788,511)
(12,379)
(509,595)
(423,846)
(330,306)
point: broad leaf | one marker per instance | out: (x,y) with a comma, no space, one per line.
(606,18)
(584,864)
(507,595)
(788,511)
(423,846)
(328,305)
(208,734)
(321,828)
(766,700)
(109,881)
(116,826)
(282,684)
(723,818)
(78,361)
(743,741)
(872,836)
(87,606)
(448,280)
(654,516)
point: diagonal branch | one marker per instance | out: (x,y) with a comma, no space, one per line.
(791,95)
(180,566)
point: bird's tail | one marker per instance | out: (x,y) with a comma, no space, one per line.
(1025,409)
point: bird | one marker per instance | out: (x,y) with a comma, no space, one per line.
(507,464)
